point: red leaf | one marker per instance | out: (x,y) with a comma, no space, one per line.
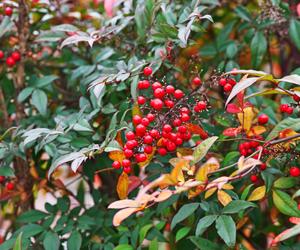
(233,108)
(196,129)
(232,131)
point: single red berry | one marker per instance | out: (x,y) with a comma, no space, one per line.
(243,152)
(127,170)
(290,110)
(2,178)
(147,71)
(156,85)
(178,94)
(227,87)
(184,117)
(159,93)
(140,85)
(140,130)
(187,136)
(150,117)
(148,139)
(198,142)
(145,121)
(169,104)
(176,122)
(162,151)
(197,109)
(254,178)
(126,163)
(197,81)
(10,62)
(1,54)
(182,129)
(146,84)
(171,146)
(184,110)
(140,157)
(263,119)
(167,128)
(116,164)
(241,146)
(202,105)
(137,119)
(284,107)
(128,153)
(8,11)
(154,133)
(10,186)
(231,81)
(294,171)
(172,137)
(178,141)
(156,104)
(131,144)
(16,56)
(169,89)
(222,82)
(130,135)
(296,98)
(263,166)
(141,100)
(148,149)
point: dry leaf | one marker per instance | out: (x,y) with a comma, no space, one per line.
(224,198)
(210,166)
(122,186)
(246,118)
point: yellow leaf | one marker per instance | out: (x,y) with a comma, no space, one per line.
(257,194)
(227,186)
(185,151)
(211,165)
(224,198)
(148,160)
(256,130)
(136,109)
(116,155)
(246,117)
(176,173)
(210,192)
(122,186)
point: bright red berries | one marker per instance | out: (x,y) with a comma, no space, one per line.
(10,62)
(169,89)
(137,119)
(140,130)
(148,139)
(159,93)
(254,178)
(227,83)
(227,87)
(127,170)
(285,108)
(141,100)
(128,153)
(197,81)
(140,157)
(150,117)
(202,105)
(184,117)
(130,135)
(148,149)
(16,56)
(178,94)
(126,163)
(167,128)
(145,122)
(10,186)
(2,178)
(154,133)
(222,82)
(1,54)
(296,98)
(116,165)
(143,84)
(8,11)
(156,104)
(156,85)
(162,151)
(147,71)
(182,129)
(294,172)
(263,119)
(263,166)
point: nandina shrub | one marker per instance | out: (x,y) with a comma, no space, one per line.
(149,124)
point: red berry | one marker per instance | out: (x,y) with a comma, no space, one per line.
(290,110)
(137,119)
(196,109)
(10,186)
(197,81)
(227,87)
(178,94)
(201,105)
(154,133)
(294,171)
(150,117)
(10,62)
(284,107)
(187,136)
(148,149)
(130,135)
(184,117)
(147,71)
(1,54)
(2,178)
(182,129)
(131,144)
(231,81)
(8,11)
(167,128)
(141,100)
(140,130)
(247,145)
(172,137)
(116,164)
(263,119)
(298,206)
(171,146)
(243,152)
(127,170)
(263,166)
(16,56)
(254,178)
(145,121)
(254,144)
(184,110)
(126,163)
(296,98)
(156,104)
(128,153)
(176,122)
(162,151)
(169,104)
(156,85)
(159,93)
(222,82)
(178,141)
(169,89)
(140,157)
(148,139)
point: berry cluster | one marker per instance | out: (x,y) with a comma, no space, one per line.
(12,59)
(9,185)
(285,108)
(248,147)
(227,84)
(163,126)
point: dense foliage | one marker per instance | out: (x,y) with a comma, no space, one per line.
(144,124)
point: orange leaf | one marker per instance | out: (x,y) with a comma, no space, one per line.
(122,215)
(122,186)
(211,165)
(196,129)
(232,131)
(210,192)
(116,155)
(256,130)
(119,138)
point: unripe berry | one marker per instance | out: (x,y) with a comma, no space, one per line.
(263,119)
(222,82)
(16,56)
(162,151)
(148,149)
(156,104)
(10,186)
(126,163)
(127,170)
(8,11)
(159,93)
(147,71)
(137,119)
(116,164)
(130,135)
(10,62)
(1,54)
(254,178)
(148,139)
(227,87)
(167,128)
(294,171)
(197,81)
(150,117)
(145,121)
(184,117)
(156,85)
(141,100)
(178,94)
(169,89)
(128,153)
(140,130)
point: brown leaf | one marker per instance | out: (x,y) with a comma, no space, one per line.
(122,186)
(122,215)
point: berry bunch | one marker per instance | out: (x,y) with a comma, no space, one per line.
(9,185)
(285,108)
(248,147)
(164,124)
(227,84)
(12,59)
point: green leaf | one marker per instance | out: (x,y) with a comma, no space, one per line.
(243,13)
(143,232)
(285,204)
(204,223)
(83,126)
(31,216)
(231,50)
(39,100)
(202,149)
(18,243)
(226,229)
(25,93)
(181,233)
(204,244)
(154,244)
(184,212)
(285,182)
(74,241)
(294,32)
(123,247)
(45,81)
(236,206)
(51,241)
(133,87)
(291,123)
(258,48)
(6,171)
